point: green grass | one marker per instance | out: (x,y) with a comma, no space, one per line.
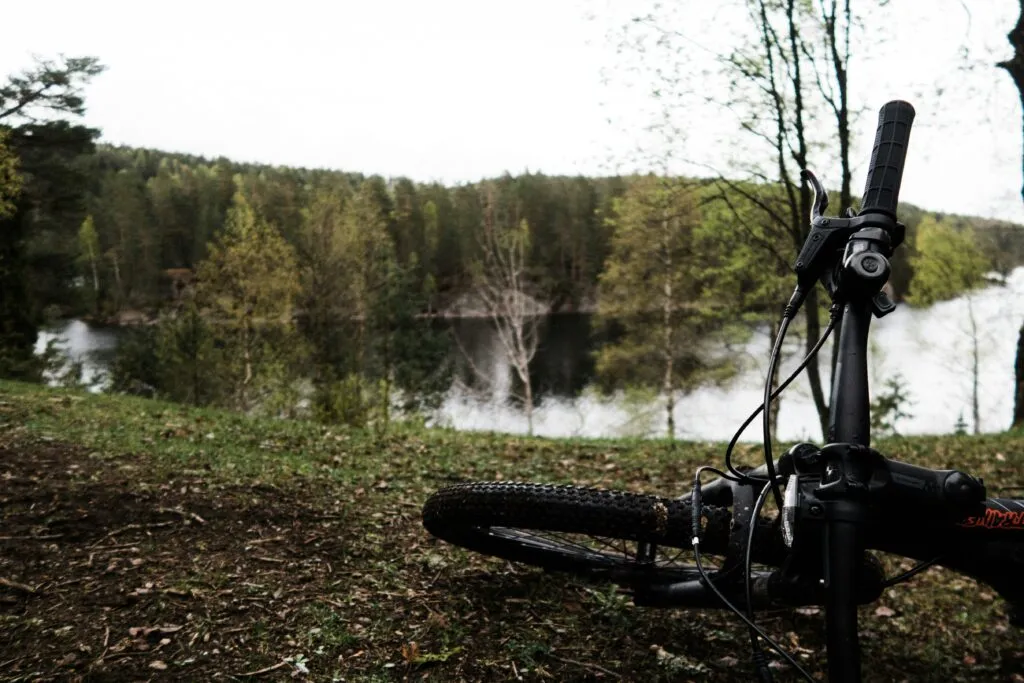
(235,447)
(412,607)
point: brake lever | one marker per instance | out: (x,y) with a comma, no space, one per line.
(820,202)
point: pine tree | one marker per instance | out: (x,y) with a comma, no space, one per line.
(350,274)
(248,282)
(190,366)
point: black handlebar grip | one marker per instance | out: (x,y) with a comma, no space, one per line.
(882,190)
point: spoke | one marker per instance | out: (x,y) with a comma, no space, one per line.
(679,553)
(552,541)
(610,550)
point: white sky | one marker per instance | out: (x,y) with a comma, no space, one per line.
(456,90)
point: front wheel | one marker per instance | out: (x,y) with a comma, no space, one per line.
(628,538)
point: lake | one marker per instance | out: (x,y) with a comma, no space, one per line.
(930,348)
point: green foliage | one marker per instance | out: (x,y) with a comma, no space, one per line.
(136,366)
(651,286)
(349,401)
(362,306)
(744,267)
(190,364)
(247,285)
(649,267)
(40,199)
(179,358)
(10,179)
(946,262)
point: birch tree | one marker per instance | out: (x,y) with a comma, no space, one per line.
(648,287)
(502,283)
(89,253)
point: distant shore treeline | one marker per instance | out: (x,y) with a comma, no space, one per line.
(153,215)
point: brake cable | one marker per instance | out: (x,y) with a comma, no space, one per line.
(748,566)
(833,319)
(910,573)
(771,483)
(695,521)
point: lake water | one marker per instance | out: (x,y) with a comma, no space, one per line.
(930,348)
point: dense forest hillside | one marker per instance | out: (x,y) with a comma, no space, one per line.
(153,215)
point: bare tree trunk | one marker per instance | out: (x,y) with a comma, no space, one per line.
(195,381)
(975,365)
(1015,67)
(803,222)
(528,400)
(247,361)
(117,280)
(668,386)
(1018,403)
(502,286)
(95,280)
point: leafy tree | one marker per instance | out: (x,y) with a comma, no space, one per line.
(946,262)
(123,220)
(248,283)
(744,270)
(890,406)
(325,274)
(649,284)
(786,76)
(408,226)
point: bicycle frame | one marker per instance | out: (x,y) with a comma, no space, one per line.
(849,422)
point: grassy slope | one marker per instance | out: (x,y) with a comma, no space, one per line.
(479,619)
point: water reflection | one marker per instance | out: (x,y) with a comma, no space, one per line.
(79,342)
(930,348)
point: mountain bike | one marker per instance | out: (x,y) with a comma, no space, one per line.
(835,502)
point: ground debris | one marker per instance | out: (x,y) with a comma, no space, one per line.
(140,573)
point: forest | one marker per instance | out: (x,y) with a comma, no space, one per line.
(248,279)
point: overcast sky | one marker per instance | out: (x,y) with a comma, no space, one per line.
(456,90)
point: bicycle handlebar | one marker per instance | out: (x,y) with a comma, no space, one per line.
(882,189)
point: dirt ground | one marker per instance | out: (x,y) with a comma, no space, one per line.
(111,570)
(105,576)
